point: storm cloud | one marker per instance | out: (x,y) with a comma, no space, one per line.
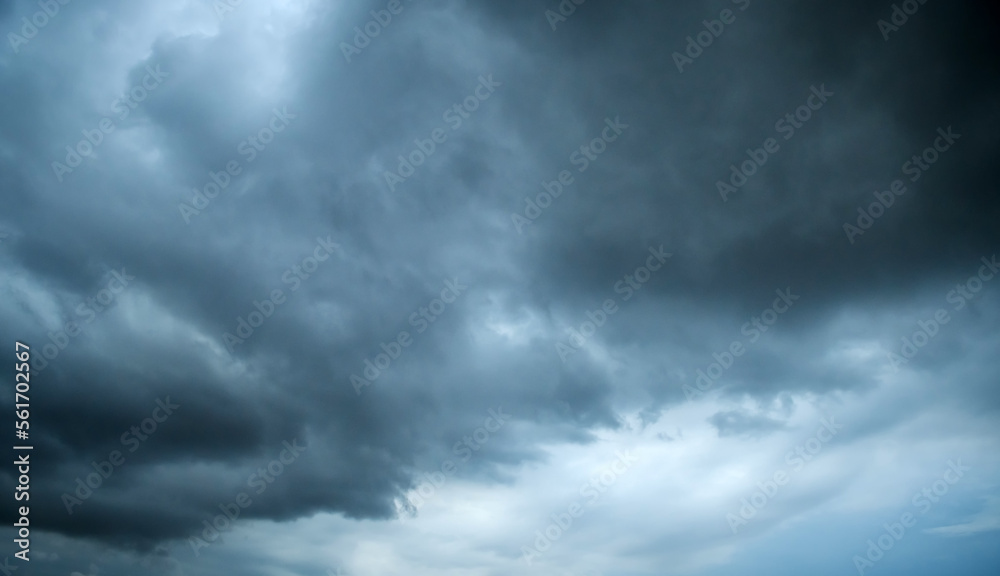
(286,267)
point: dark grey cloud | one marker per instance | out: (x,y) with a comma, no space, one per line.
(737,422)
(323,177)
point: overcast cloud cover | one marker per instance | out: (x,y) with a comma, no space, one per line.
(650,373)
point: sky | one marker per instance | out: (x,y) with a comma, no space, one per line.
(444,287)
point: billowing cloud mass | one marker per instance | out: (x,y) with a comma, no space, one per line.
(484,288)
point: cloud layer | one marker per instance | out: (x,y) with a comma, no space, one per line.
(689,234)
